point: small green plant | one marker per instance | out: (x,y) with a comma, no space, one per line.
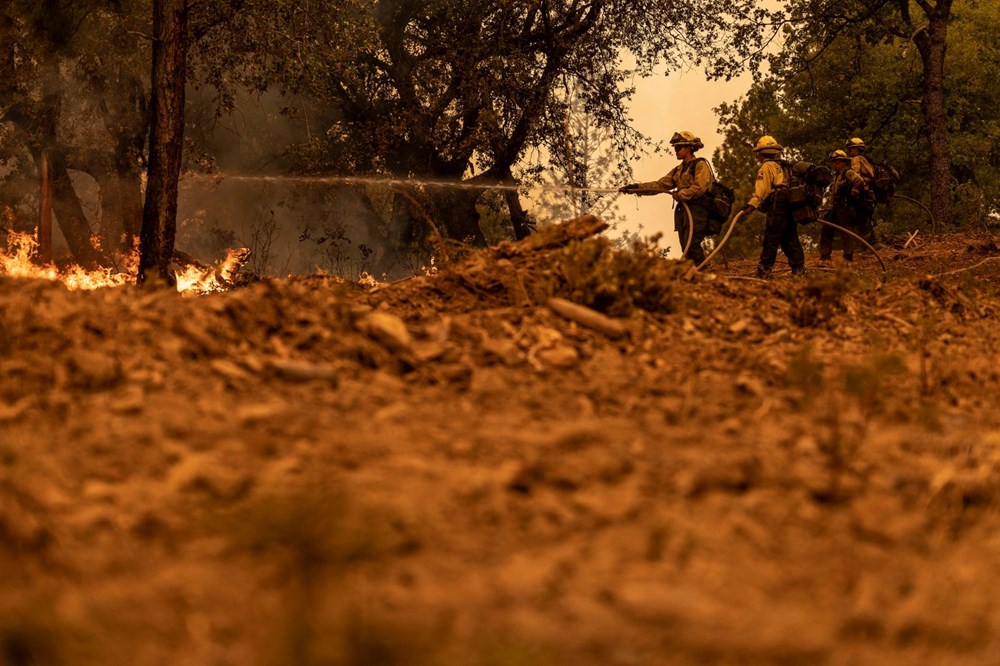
(595,273)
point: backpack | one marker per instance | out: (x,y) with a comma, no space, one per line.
(719,201)
(883,185)
(803,193)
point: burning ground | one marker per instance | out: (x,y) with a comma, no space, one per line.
(445,470)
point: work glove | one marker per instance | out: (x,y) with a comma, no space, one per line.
(631,188)
(746,210)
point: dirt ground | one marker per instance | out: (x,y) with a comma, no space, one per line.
(446,471)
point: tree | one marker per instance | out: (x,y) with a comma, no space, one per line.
(814,25)
(166,137)
(872,90)
(37,41)
(460,90)
(575,162)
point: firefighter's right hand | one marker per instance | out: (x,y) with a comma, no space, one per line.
(746,210)
(631,188)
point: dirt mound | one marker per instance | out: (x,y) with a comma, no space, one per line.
(546,452)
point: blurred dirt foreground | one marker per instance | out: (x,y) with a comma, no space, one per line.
(457,469)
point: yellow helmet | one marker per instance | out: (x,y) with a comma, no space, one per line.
(839,155)
(686,139)
(856,143)
(767,144)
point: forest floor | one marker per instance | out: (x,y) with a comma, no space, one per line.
(444,470)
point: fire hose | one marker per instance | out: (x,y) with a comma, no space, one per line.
(929,213)
(722,241)
(739,215)
(863,241)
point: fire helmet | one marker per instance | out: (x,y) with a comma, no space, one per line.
(855,143)
(767,145)
(686,139)
(838,155)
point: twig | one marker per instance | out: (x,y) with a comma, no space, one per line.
(910,239)
(740,277)
(967,268)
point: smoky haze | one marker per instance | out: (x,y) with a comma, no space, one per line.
(293,225)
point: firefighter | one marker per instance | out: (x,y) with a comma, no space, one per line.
(846,189)
(780,228)
(690,182)
(865,208)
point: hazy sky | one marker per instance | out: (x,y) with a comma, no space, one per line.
(662,106)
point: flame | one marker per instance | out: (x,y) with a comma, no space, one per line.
(16,261)
(208,280)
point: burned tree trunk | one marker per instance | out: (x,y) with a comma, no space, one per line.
(458,216)
(69,211)
(166,138)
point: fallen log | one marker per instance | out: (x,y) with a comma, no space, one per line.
(585,316)
(553,236)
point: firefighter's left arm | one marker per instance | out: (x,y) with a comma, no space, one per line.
(858,184)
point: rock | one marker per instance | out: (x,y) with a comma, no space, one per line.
(503,349)
(387,329)
(131,400)
(205,473)
(739,326)
(429,351)
(229,370)
(261,411)
(304,371)
(92,370)
(562,357)
(750,385)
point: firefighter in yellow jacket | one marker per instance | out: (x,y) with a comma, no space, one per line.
(690,182)
(846,189)
(865,207)
(780,228)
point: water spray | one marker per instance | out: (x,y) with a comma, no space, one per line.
(390,182)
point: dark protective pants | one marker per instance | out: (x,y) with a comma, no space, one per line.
(844,215)
(699,214)
(864,224)
(781,230)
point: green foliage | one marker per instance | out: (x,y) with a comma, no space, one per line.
(450,89)
(858,73)
(596,274)
(820,298)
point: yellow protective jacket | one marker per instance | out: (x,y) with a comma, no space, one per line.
(846,185)
(770,176)
(690,183)
(861,166)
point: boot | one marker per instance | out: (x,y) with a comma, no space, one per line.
(848,257)
(798,270)
(764,272)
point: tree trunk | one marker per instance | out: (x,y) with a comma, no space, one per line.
(41,136)
(455,210)
(519,219)
(127,165)
(166,138)
(931,44)
(68,210)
